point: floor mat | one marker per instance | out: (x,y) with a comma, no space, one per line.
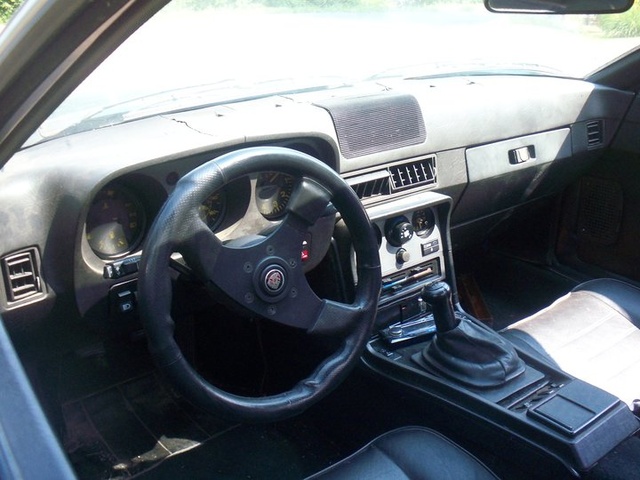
(141,428)
(130,427)
(286,450)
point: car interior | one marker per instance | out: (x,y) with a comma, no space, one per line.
(416,277)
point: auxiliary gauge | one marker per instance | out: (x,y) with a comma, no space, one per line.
(423,221)
(273,191)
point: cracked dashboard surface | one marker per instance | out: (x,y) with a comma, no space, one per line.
(487,143)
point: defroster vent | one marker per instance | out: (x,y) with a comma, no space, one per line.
(21,275)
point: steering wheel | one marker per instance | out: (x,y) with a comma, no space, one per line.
(262,274)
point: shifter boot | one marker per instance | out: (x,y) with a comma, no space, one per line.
(473,355)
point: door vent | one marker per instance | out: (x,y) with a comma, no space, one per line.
(414,174)
(21,275)
(595,134)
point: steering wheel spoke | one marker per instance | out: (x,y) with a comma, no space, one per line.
(308,202)
(337,318)
(201,249)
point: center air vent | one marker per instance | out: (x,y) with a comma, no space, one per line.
(595,133)
(21,275)
(414,174)
(396,178)
(371,185)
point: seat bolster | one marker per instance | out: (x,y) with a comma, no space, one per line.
(409,453)
(621,296)
(529,345)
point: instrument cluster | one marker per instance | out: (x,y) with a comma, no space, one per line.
(121,211)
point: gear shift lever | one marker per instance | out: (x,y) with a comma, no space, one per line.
(438,295)
(464,350)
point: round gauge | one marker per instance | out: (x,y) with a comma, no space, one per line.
(212,209)
(115,222)
(273,191)
(423,221)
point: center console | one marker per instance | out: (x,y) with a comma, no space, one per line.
(542,406)
(414,251)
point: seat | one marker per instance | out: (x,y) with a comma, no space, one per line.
(592,333)
(409,453)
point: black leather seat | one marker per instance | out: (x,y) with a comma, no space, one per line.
(409,453)
(592,333)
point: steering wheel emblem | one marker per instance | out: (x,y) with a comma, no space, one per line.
(274,280)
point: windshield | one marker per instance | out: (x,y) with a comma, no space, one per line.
(203,52)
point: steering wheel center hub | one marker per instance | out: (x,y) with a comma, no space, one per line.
(274,280)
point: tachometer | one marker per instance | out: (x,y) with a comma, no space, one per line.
(115,222)
(273,191)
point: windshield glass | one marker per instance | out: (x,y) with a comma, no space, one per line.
(203,52)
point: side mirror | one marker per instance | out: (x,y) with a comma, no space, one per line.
(558,6)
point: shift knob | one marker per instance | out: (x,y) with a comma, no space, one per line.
(438,295)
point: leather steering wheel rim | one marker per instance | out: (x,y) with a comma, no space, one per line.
(174,228)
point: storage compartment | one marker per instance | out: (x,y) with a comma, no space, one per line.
(574,407)
(505,174)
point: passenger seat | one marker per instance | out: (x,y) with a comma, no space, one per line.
(592,333)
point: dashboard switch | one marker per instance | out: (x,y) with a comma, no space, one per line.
(122,299)
(126,302)
(120,269)
(402,256)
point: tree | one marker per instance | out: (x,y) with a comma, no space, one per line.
(7,7)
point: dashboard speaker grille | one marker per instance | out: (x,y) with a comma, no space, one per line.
(21,275)
(376,123)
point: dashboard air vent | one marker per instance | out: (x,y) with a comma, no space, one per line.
(21,275)
(396,178)
(371,184)
(595,133)
(414,174)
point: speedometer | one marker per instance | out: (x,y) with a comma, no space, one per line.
(115,222)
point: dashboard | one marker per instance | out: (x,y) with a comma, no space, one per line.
(436,163)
